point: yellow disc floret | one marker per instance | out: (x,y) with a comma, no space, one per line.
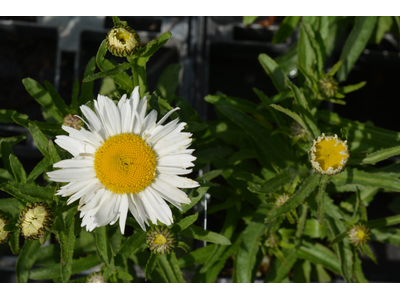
(33,220)
(329,154)
(125,164)
(4,235)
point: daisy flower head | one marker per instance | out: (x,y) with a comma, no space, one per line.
(125,161)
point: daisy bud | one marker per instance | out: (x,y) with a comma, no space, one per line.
(4,235)
(35,221)
(329,154)
(96,278)
(296,130)
(122,41)
(160,240)
(358,234)
(282,199)
(272,241)
(73,121)
(328,86)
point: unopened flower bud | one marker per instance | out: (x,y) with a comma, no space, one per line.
(73,121)
(296,130)
(328,86)
(358,234)
(122,41)
(4,235)
(35,221)
(329,154)
(160,240)
(282,199)
(95,278)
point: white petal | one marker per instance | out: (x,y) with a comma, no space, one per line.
(90,188)
(173,171)
(167,115)
(180,182)
(66,175)
(134,211)
(94,121)
(169,192)
(72,187)
(181,161)
(123,212)
(75,163)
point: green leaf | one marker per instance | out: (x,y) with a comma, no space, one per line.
(273,184)
(249,20)
(304,110)
(388,221)
(18,169)
(169,265)
(294,116)
(87,87)
(28,193)
(14,241)
(184,223)
(40,139)
(122,79)
(26,259)
(354,176)
(286,29)
(272,148)
(351,88)
(267,102)
(320,197)
(42,166)
(319,254)
(277,76)
(152,47)
(306,55)
(195,196)
(383,25)
(237,103)
(49,109)
(7,115)
(246,256)
(103,246)
(130,245)
(111,72)
(57,100)
(334,69)
(302,193)
(355,44)
(168,82)
(198,256)
(205,235)
(357,270)
(151,263)
(279,270)
(373,158)
(302,271)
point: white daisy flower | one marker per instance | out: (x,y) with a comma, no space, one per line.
(126,160)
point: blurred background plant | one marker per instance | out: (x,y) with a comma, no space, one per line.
(273,218)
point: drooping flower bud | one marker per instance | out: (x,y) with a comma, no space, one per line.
(328,86)
(122,41)
(73,121)
(4,235)
(329,154)
(35,221)
(358,234)
(96,278)
(160,240)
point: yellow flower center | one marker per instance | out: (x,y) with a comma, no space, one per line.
(33,221)
(360,235)
(125,164)
(329,154)
(159,240)
(3,233)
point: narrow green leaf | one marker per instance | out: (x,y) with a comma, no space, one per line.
(43,165)
(273,184)
(14,241)
(67,242)
(357,271)
(279,270)
(306,55)
(195,196)
(319,254)
(175,267)
(28,193)
(267,102)
(57,100)
(131,245)
(302,271)
(286,29)
(184,223)
(164,264)
(355,44)
(151,263)
(277,76)
(26,259)
(40,139)
(320,197)
(335,68)
(354,176)
(272,148)
(351,88)
(87,87)
(294,116)
(304,110)
(205,235)
(103,246)
(246,256)
(49,109)
(383,25)
(249,20)
(152,47)
(302,193)
(373,158)
(388,221)
(237,103)
(6,152)
(18,169)
(168,82)
(198,256)
(111,72)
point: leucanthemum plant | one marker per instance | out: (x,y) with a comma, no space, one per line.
(125,161)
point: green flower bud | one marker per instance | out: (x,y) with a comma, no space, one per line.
(35,221)
(122,41)
(328,86)
(4,235)
(358,234)
(281,199)
(160,240)
(73,121)
(296,130)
